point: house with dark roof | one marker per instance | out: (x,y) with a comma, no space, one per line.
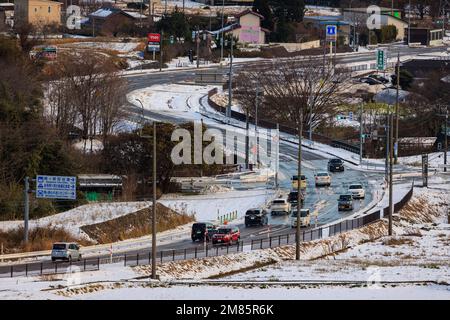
(112,21)
(247,28)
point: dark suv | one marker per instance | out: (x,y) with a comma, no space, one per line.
(345,202)
(293,198)
(200,230)
(335,165)
(256,217)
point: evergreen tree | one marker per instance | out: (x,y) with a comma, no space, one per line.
(263,8)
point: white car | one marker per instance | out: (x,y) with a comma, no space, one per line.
(357,191)
(305,218)
(280,206)
(323,178)
(66,251)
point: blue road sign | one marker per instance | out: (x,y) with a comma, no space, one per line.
(56,187)
(331,30)
(350,116)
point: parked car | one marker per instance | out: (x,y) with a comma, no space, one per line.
(226,235)
(370,81)
(357,191)
(280,206)
(335,165)
(256,217)
(200,230)
(66,251)
(323,179)
(378,78)
(345,202)
(302,182)
(293,198)
(305,218)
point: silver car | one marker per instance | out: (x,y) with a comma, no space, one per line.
(66,251)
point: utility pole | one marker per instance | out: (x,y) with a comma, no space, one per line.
(197,40)
(258,91)
(221,38)
(26,215)
(154,205)
(409,22)
(446,140)
(397,110)
(391,194)
(161,53)
(230,82)
(299,186)
(277,156)
(247,142)
(360,133)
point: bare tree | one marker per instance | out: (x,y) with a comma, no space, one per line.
(297,92)
(86,92)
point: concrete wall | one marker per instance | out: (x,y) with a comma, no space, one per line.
(291,47)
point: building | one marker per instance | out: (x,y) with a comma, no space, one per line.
(247,28)
(112,21)
(37,12)
(424,36)
(388,17)
(6,16)
(98,187)
(344,28)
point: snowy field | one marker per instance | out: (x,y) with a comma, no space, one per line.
(361,264)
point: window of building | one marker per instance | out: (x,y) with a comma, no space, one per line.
(49,9)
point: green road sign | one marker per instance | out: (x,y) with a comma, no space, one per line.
(381,60)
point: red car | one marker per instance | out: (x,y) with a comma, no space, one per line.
(226,235)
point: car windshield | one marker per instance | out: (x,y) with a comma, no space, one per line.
(296,177)
(59,246)
(303,213)
(345,198)
(198,226)
(252,212)
(224,231)
(293,195)
(336,161)
(355,186)
(278,201)
(322,174)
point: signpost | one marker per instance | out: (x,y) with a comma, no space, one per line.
(331,36)
(48,187)
(381,60)
(56,187)
(154,43)
(425,170)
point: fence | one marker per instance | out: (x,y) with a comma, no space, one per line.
(272,125)
(203,250)
(49,268)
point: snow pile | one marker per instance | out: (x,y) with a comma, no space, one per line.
(121,47)
(73,219)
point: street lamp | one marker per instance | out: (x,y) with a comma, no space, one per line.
(154,191)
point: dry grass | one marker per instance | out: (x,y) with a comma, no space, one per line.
(135,225)
(40,238)
(394,241)
(419,211)
(256,265)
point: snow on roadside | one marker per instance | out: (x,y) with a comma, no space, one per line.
(209,207)
(173,97)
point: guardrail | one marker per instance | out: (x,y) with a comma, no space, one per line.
(207,250)
(283,128)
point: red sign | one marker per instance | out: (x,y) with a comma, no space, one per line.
(154,37)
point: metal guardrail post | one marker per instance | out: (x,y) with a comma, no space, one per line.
(84,265)
(261,244)
(137,259)
(56,267)
(42,267)
(173,255)
(195,255)
(12,270)
(161,256)
(98,263)
(125,260)
(184,253)
(26,270)
(279,240)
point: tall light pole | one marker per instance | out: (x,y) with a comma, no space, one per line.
(154,192)
(360,133)
(391,193)
(230,81)
(409,22)
(299,186)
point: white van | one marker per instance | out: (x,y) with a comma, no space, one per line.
(66,251)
